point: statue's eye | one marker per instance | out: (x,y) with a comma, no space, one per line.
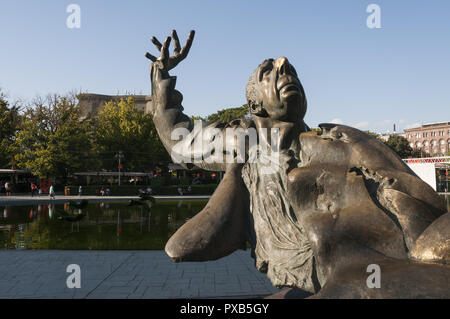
(266,67)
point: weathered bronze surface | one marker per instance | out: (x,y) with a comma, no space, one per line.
(338,201)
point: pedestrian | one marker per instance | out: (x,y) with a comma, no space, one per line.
(80,190)
(40,191)
(33,189)
(8,188)
(52,192)
(102,192)
(180,191)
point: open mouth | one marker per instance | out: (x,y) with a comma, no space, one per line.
(288,85)
(290,91)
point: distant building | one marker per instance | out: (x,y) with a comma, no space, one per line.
(93,103)
(385,136)
(433,138)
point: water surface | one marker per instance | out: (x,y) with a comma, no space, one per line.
(104,226)
(100,225)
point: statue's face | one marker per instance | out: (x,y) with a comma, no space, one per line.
(278,90)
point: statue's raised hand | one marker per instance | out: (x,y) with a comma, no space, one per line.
(165,61)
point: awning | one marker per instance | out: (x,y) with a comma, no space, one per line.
(112,174)
(14,171)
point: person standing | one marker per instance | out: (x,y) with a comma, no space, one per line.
(52,192)
(8,188)
(33,189)
(80,191)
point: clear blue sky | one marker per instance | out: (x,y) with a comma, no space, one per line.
(368,78)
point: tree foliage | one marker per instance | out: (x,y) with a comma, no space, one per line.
(52,141)
(399,145)
(121,128)
(9,124)
(373,134)
(227,115)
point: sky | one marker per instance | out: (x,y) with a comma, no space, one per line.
(352,74)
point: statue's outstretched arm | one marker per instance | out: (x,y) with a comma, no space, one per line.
(170,121)
(220,228)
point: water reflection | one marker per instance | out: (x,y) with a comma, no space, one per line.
(99,226)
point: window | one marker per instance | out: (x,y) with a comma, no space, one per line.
(442,142)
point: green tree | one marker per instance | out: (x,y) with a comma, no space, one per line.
(52,141)
(399,145)
(9,124)
(373,134)
(227,115)
(120,127)
(197,118)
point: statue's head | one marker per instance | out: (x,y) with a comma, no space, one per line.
(275,91)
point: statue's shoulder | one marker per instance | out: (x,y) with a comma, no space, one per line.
(351,146)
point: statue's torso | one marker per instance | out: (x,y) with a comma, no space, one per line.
(279,243)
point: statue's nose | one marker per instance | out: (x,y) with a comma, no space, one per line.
(283,65)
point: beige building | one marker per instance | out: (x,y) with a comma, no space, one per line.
(93,103)
(433,138)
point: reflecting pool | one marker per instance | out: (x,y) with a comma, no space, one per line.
(98,226)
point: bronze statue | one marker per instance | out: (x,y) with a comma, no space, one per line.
(338,201)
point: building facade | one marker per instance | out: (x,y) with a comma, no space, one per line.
(91,104)
(433,138)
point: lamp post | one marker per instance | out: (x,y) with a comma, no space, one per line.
(119,156)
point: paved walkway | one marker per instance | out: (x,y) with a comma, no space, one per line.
(59,199)
(128,274)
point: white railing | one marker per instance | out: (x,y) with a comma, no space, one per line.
(438,159)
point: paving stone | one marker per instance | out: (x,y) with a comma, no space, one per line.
(128,274)
(190,293)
